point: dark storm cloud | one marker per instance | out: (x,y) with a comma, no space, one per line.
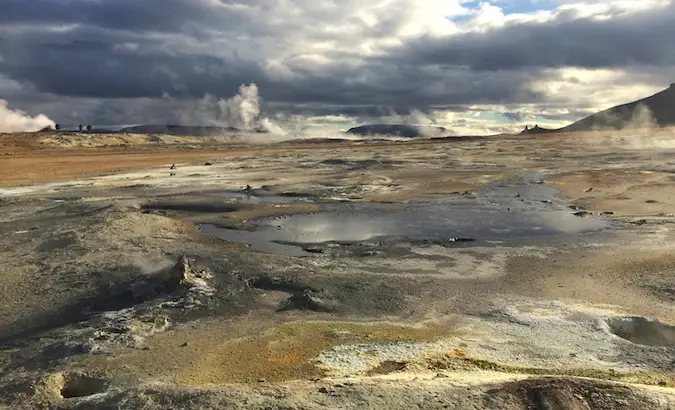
(95,63)
(119,58)
(89,62)
(643,38)
(145,15)
(405,85)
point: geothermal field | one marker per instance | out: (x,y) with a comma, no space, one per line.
(508,272)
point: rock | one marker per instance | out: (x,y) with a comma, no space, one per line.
(313,249)
(207,164)
(639,222)
(86,347)
(588,189)
(582,214)
(460,239)
(324,390)
(607,213)
(185,344)
(651,201)
(182,274)
(310,300)
(547,201)
(173,166)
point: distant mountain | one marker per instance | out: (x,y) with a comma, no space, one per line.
(657,110)
(399,130)
(183,130)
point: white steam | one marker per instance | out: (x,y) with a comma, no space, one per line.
(641,118)
(427,126)
(640,131)
(242,111)
(19,121)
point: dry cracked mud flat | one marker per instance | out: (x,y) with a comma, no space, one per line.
(500,273)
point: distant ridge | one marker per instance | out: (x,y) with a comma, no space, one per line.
(183,130)
(399,130)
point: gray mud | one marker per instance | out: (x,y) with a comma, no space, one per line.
(106,293)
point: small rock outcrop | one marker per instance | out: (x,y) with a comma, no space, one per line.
(312,300)
(182,274)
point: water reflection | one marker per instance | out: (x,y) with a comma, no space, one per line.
(496,213)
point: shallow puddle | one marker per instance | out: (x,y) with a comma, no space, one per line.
(504,211)
(256,198)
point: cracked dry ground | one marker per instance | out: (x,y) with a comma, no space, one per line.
(112,298)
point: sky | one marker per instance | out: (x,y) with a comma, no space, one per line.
(474,67)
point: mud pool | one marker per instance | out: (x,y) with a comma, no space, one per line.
(501,212)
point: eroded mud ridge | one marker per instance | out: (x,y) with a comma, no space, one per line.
(390,276)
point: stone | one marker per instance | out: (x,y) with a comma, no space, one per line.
(182,274)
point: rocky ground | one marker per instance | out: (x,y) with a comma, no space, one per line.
(115,294)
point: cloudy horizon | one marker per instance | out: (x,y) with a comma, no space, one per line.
(470,66)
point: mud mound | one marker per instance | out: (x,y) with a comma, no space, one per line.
(530,394)
(79,385)
(563,394)
(302,297)
(642,331)
(388,366)
(71,385)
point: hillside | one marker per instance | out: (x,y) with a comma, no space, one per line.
(657,110)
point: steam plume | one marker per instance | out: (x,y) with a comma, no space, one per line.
(641,117)
(241,111)
(19,121)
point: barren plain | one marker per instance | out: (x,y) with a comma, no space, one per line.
(509,272)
